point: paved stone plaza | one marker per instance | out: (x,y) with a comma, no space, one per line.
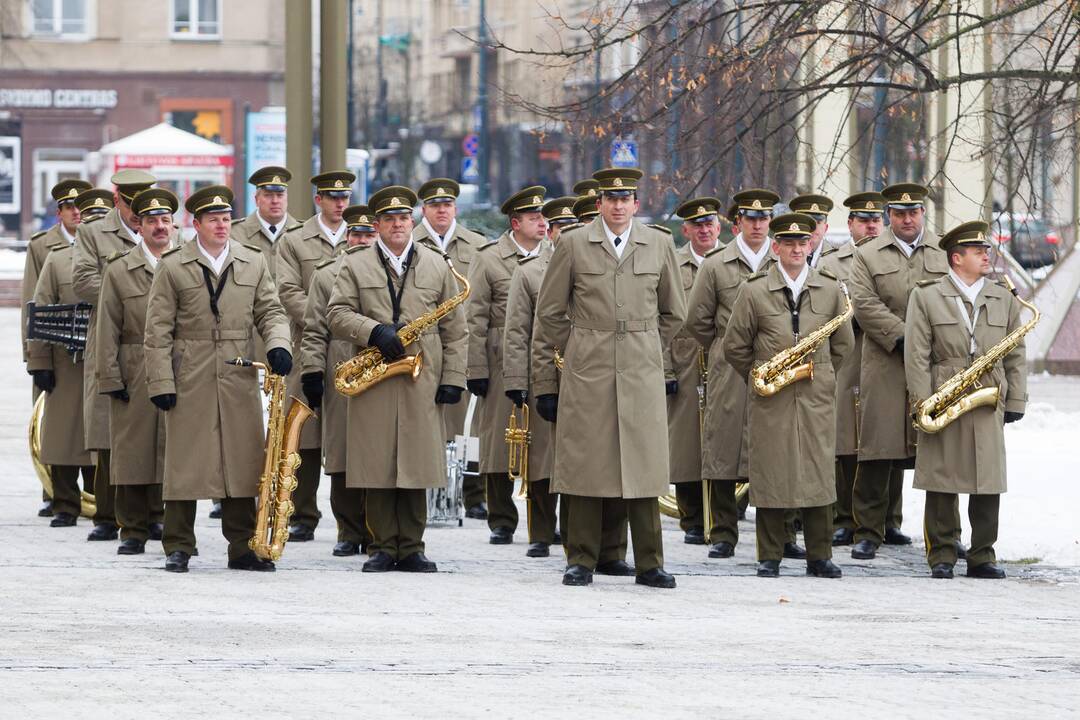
(86,633)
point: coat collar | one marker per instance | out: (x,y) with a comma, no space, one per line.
(776,281)
(731,253)
(189,252)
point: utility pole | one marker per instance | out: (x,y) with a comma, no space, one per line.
(298,105)
(483,132)
(332,76)
(380,96)
(598,149)
(350,112)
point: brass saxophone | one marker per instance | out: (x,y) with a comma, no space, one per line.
(368,367)
(278,479)
(953,398)
(791,365)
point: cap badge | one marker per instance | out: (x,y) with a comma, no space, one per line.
(362,219)
(536,200)
(99,202)
(72,192)
(870,205)
(814,208)
(441,191)
(794,227)
(905,198)
(979,236)
(154,203)
(217,200)
(617,182)
(275,180)
(337,184)
(756,205)
(395,201)
(591,193)
(701,210)
(566,211)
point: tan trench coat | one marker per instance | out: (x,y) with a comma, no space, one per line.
(848,403)
(725,452)
(792,433)
(485,309)
(461,248)
(137,428)
(967,456)
(214,435)
(684,417)
(395,428)
(62,427)
(249,231)
(94,243)
(321,353)
(881,281)
(39,247)
(517,355)
(298,252)
(611,317)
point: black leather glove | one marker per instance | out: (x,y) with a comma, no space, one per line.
(899,346)
(1012,416)
(44,379)
(518,397)
(121,394)
(164,402)
(671,387)
(312,385)
(478,387)
(279,360)
(547,406)
(448,395)
(385,338)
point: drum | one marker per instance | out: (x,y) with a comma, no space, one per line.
(445,505)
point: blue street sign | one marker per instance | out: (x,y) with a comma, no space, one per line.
(470,173)
(470,144)
(624,153)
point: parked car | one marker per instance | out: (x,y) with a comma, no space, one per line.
(1027,238)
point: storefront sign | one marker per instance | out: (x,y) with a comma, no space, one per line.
(65,98)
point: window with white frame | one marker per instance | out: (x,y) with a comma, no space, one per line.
(195,19)
(60,18)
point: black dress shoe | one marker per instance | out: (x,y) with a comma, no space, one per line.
(131,546)
(794,551)
(942,571)
(843,536)
(558,538)
(251,561)
(538,549)
(104,531)
(722,550)
(177,562)
(577,575)
(477,512)
(656,578)
(215,511)
(694,536)
(986,571)
(768,568)
(301,533)
(417,563)
(893,536)
(156,531)
(379,562)
(961,551)
(63,519)
(864,550)
(620,568)
(501,536)
(46,509)
(345,548)
(823,569)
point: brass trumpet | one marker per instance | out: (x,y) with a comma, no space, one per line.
(518,437)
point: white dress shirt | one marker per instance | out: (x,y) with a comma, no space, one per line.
(522,251)
(968,291)
(216,263)
(753,259)
(135,237)
(153,259)
(795,284)
(396,261)
(698,259)
(905,248)
(623,239)
(441,240)
(67,236)
(333,237)
(273,234)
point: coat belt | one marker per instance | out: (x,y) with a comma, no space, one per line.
(215,334)
(619,326)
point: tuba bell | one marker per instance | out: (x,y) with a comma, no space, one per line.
(87,505)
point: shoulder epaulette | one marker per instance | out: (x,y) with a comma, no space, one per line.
(295,226)
(357,248)
(117,255)
(713,251)
(169,252)
(91,219)
(253,248)
(571,226)
(866,239)
(326,262)
(925,283)
(661,228)
(485,246)
(828,274)
(524,260)
(829,251)
(756,276)
(38,234)
(237,221)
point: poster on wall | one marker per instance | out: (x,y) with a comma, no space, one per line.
(265,145)
(9,174)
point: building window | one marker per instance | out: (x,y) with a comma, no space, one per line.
(196,19)
(60,18)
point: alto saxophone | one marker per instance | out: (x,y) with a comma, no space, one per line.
(369,367)
(953,399)
(278,479)
(792,364)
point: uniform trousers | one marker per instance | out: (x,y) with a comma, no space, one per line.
(396,519)
(541,514)
(307,486)
(502,512)
(104,490)
(65,481)
(941,524)
(590,519)
(772,532)
(877,498)
(725,510)
(237,525)
(137,506)
(347,504)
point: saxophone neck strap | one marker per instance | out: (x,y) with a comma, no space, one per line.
(395,295)
(215,293)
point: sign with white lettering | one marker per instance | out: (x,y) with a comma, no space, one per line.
(66,98)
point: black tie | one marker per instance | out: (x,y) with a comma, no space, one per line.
(616,241)
(273,229)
